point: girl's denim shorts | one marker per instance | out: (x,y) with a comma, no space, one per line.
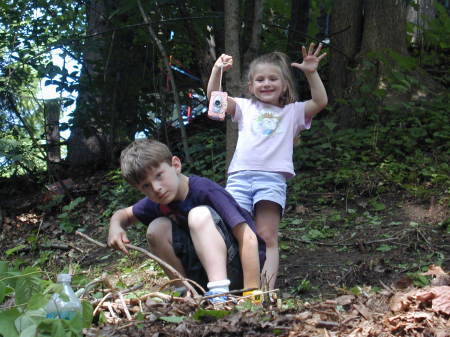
(250,187)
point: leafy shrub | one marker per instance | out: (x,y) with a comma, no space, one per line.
(23,297)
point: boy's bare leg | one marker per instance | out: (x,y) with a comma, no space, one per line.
(159,237)
(267,219)
(208,242)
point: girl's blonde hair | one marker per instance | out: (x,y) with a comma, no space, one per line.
(280,60)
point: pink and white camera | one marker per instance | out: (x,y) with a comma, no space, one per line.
(218,105)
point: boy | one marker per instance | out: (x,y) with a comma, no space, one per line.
(194,224)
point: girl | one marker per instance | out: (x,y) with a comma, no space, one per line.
(268,123)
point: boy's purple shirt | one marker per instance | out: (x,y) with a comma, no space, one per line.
(202,192)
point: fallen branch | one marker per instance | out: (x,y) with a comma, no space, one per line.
(164,264)
(178,279)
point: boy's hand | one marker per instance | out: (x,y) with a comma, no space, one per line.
(117,238)
(311,59)
(225,61)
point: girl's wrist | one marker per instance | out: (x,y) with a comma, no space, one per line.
(310,73)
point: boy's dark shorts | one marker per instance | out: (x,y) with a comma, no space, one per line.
(185,251)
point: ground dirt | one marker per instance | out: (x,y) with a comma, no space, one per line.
(347,269)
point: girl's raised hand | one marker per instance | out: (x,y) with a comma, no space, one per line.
(225,61)
(311,59)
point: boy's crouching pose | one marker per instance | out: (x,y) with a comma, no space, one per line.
(194,224)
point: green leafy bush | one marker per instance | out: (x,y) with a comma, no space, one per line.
(23,297)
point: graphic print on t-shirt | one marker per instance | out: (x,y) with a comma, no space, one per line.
(265,123)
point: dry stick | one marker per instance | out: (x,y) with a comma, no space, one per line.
(125,308)
(108,295)
(153,257)
(111,310)
(178,279)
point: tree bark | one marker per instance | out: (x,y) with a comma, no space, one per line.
(233,76)
(85,148)
(384,26)
(359,29)
(298,27)
(52,112)
(233,46)
(346,23)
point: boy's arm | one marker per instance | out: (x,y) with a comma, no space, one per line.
(214,82)
(319,98)
(117,237)
(248,252)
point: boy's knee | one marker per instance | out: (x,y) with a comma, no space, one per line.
(199,216)
(157,229)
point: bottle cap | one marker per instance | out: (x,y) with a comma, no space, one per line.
(64,278)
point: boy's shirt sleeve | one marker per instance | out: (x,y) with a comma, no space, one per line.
(146,210)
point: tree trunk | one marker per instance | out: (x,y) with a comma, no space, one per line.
(233,46)
(298,27)
(233,76)
(85,148)
(384,26)
(360,28)
(346,27)
(52,112)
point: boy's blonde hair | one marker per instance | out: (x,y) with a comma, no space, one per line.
(280,60)
(141,156)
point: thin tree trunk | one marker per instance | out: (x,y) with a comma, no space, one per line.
(52,111)
(172,82)
(233,76)
(298,27)
(255,34)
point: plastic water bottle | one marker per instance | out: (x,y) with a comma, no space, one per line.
(65,308)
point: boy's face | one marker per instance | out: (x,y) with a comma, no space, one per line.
(164,184)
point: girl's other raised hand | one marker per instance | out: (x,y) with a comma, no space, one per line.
(225,61)
(311,59)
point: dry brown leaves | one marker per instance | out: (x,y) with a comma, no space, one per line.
(416,312)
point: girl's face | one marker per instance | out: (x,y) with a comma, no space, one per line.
(267,84)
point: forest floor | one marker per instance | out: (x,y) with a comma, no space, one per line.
(349,267)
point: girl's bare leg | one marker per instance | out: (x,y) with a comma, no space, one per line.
(267,218)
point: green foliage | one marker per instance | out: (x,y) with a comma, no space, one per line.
(208,149)
(418,279)
(304,286)
(172,319)
(119,194)
(27,316)
(203,314)
(406,150)
(436,33)
(70,213)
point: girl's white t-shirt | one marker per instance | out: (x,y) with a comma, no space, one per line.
(266,136)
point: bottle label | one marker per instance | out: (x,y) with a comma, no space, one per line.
(63,314)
